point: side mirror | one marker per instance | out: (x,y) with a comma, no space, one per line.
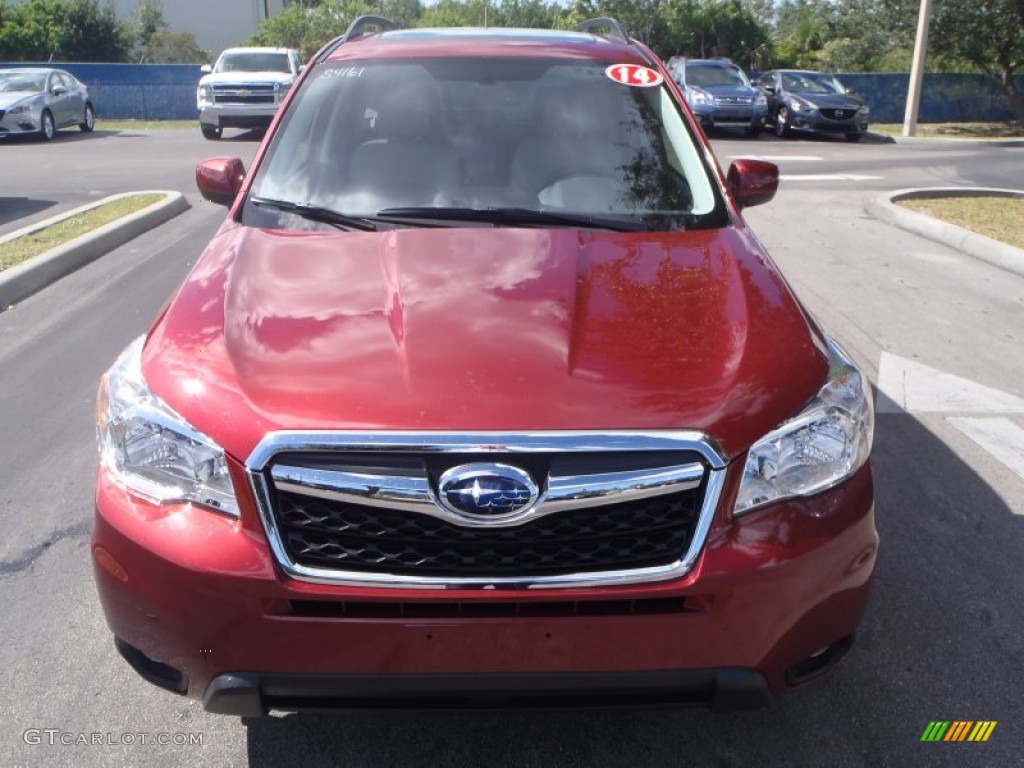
(768,88)
(58,90)
(206,69)
(752,182)
(220,179)
(302,68)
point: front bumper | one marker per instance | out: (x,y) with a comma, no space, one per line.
(238,116)
(739,115)
(199,598)
(25,122)
(814,122)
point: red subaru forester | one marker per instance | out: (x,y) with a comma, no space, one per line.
(483,394)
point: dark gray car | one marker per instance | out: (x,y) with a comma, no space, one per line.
(813,102)
(38,101)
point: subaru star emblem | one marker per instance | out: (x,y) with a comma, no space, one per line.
(489,491)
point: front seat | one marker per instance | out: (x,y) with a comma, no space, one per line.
(410,161)
(573,150)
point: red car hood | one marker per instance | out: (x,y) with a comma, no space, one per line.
(483,329)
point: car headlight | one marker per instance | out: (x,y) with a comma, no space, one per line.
(798,106)
(204,94)
(864,110)
(760,100)
(821,446)
(20,110)
(696,96)
(150,449)
(280,91)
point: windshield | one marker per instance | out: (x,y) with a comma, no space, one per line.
(253,62)
(711,76)
(518,136)
(807,82)
(21,81)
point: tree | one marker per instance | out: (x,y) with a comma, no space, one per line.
(986,33)
(30,31)
(166,46)
(90,32)
(308,27)
(147,19)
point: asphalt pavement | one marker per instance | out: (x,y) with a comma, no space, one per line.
(944,636)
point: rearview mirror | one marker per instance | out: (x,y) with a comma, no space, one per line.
(220,179)
(752,182)
(206,69)
(58,90)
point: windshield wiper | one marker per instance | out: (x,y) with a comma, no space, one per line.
(512,217)
(317,213)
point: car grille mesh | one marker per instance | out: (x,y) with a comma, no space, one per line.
(244,94)
(340,535)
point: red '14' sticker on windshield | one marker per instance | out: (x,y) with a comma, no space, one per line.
(634,74)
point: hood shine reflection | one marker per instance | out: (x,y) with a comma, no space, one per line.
(483,329)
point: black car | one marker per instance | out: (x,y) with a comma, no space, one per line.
(814,102)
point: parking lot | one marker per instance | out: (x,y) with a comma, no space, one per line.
(940,334)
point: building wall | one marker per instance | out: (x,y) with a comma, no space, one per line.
(216,24)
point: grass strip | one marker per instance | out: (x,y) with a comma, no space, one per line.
(145,125)
(1001,218)
(21,249)
(993,130)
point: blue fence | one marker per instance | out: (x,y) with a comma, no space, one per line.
(945,98)
(168,92)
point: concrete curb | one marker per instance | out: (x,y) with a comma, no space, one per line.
(994,252)
(38,272)
(958,141)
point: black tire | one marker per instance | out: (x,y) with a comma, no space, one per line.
(211,132)
(47,128)
(854,136)
(88,119)
(782,123)
(753,130)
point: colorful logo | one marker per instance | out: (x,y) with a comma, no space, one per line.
(958,730)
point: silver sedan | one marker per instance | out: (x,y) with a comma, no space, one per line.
(39,101)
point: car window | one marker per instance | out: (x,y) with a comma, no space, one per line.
(811,83)
(712,76)
(529,133)
(20,81)
(253,61)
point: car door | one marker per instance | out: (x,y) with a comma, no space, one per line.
(769,83)
(57,99)
(76,100)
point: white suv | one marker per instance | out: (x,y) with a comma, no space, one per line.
(245,88)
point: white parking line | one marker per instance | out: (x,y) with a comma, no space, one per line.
(826,177)
(777,158)
(911,386)
(908,386)
(1000,437)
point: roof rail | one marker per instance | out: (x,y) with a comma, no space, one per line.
(355,29)
(615,31)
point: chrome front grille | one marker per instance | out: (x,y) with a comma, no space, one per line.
(257,93)
(638,534)
(365,510)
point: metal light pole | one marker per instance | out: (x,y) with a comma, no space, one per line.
(917,69)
